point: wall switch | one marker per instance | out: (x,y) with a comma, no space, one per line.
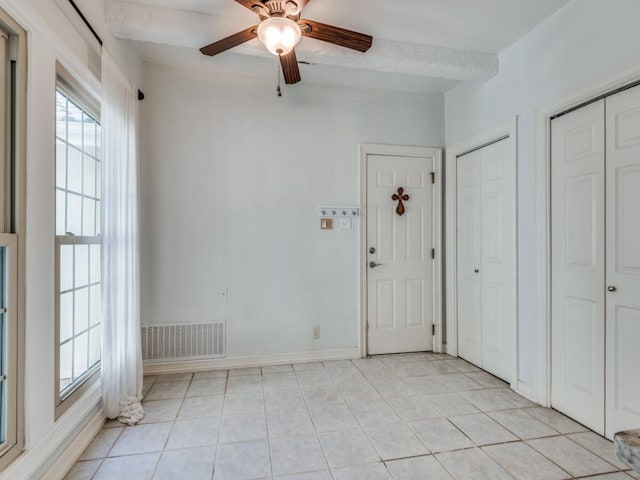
(223,294)
(346,224)
(326,224)
(316,332)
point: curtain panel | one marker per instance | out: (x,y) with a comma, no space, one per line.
(121,352)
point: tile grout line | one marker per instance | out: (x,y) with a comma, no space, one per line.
(313,423)
(370,378)
(266,422)
(217,445)
(173,424)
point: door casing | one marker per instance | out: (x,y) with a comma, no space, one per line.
(403,151)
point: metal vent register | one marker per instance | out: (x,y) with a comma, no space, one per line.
(183,341)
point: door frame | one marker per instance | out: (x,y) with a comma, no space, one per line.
(451,234)
(367,149)
(608,83)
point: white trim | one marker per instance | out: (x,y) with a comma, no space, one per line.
(451,233)
(32,21)
(403,151)
(525,390)
(75,20)
(513,194)
(187,366)
(608,82)
(438,300)
(36,462)
(72,453)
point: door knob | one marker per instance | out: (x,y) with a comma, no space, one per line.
(374,264)
(372,250)
(611,288)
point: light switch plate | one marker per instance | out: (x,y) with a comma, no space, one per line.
(346,224)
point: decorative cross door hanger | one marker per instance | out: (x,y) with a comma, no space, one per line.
(400,197)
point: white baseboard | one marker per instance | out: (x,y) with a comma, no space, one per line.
(72,453)
(184,366)
(527,391)
(69,437)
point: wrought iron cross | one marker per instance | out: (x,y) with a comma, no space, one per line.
(400,197)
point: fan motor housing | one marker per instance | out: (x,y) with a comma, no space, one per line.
(277,8)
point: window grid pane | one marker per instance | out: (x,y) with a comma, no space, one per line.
(78,224)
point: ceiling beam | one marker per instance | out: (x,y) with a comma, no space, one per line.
(191,29)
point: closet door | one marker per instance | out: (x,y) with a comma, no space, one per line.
(469,215)
(578,264)
(623,261)
(497,269)
(486,258)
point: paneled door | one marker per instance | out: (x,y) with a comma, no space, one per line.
(578,264)
(623,262)
(400,279)
(486,258)
(470,257)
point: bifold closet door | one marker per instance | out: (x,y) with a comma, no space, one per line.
(470,257)
(623,262)
(578,264)
(486,258)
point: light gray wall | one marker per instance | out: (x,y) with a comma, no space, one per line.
(232,177)
(580,42)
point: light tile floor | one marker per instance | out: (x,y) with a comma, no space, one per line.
(402,417)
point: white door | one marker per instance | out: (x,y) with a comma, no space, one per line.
(400,302)
(578,264)
(623,262)
(486,258)
(498,269)
(470,257)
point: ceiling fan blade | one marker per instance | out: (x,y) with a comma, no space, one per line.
(336,35)
(290,68)
(230,42)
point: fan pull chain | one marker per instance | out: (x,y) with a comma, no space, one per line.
(279,90)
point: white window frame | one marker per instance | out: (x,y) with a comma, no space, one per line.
(87,102)
(13,224)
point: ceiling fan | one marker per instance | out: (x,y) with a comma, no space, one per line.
(280,30)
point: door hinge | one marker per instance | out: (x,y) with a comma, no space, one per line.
(433,177)
(433,329)
(433,253)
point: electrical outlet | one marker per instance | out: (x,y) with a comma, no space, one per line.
(223,294)
(316,332)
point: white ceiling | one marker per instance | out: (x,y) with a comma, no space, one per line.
(487,26)
(479,25)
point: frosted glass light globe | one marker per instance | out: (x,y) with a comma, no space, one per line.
(279,34)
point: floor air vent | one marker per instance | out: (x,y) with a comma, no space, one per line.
(183,342)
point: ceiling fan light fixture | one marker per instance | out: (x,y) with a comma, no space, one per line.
(279,34)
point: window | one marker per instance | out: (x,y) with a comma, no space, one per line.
(12,183)
(78,252)
(8,335)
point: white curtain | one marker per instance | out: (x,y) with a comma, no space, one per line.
(121,352)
